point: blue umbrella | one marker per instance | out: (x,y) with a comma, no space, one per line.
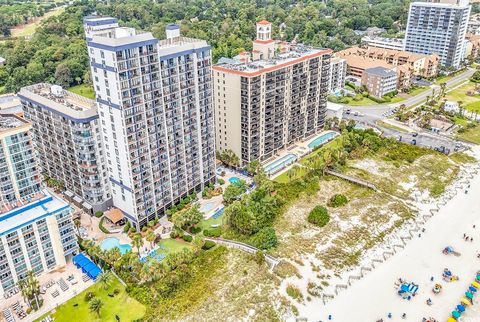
(460,308)
(404,288)
(472,289)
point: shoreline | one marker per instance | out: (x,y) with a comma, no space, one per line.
(368,290)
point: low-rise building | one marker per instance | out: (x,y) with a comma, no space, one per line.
(382,42)
(68,142)
(334,110)
(417,64)
(338,72)
(472,46)
(36,228)
(379,81)
(451,106)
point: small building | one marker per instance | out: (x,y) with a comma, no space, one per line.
(382,42)
(379,81)
(451,106)
(334,110)
(2,61)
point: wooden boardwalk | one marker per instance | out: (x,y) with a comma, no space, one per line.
(352,179)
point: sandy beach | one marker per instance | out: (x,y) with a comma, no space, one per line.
(374,296)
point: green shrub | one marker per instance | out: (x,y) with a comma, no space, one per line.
(337,200)
(220,181)
(195,230)
(133,230)
(144,228)
(102,228)
(319,216)
(151,223)
(213,232)
(187,238)
(116,291)
(98,214)
(174,234)
(294,292)
(265,238)
(208,244)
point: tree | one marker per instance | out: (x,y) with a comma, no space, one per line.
(77,224)
(30,288)
(229,158)
(105,279)
(95,305)
(63,75)
(233,191)
(319,216)
(265,238)
(151,236)
(188,218)
(253,167)
(137,242)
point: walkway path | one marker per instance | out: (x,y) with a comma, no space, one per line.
(272,261)
(352,179)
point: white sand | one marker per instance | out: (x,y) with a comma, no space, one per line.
(375,295)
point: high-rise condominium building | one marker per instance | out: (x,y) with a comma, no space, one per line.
(438,28)
(270,98)
(338,72)
(36,228)
(68,142)
(155,104)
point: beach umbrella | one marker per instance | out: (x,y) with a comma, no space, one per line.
(460,308)
(478,277)
(472,289)
(456,314)
(465,301)
(450,319)
(469,295)
(476,285)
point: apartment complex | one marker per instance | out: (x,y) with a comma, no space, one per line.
(270,98)
(379,81)
(438,28)
(155,105)
(36,228)
(417,64)
(382,42)
(338,72)
(69,142)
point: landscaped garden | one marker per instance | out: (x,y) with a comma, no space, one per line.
(468,94)
(114,302)
(83,90)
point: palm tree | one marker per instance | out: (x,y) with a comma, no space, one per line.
(22,285)
(105,278)
(151,237)
(95,305)
(443,86)
(77,223)
(33,287)
(137,242)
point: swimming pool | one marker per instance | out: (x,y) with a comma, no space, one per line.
(207,207)
(234,180)
(280,163)
(322,139)
(155,255)
(219,212)
(112,242)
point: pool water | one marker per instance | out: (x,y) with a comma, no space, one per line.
(234,180)
(219,212)
(112,242)
(280,163)
(155,255)
(206,208)
(322,139)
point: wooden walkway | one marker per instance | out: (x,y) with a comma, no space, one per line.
(352,179)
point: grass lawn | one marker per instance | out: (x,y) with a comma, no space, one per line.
(471,103)
(418,90)
(332,144)
(29,29)
(470,135)
(363,101)
(397,99)
(283,178)
(84,89)
(207,224)
(173,245)
(122,305)
(460,121)
(391,126)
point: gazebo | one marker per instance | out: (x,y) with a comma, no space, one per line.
(115,216)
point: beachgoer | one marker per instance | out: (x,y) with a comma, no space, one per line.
(389,315)
(464,235)
(419,235)
(329,317)
(404,316)
(473,226)
(423,230)
(431,279)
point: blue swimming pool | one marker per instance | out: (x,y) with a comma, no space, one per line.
(280,163)
(219,212)
(112,242)
(206,208)
(155,254)
(322,139)
(234,180)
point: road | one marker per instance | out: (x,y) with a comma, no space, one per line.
(369,115)
(379,110)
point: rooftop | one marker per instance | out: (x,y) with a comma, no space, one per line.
(60,100)
(297,52)
(9,122)
(381,71)
(44,206)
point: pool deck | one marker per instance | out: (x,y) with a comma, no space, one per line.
(300,149)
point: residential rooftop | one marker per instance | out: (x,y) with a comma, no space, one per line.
(296,53)
(60,100)
(10,122)
(381,71)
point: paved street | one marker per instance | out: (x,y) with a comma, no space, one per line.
(369,115)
